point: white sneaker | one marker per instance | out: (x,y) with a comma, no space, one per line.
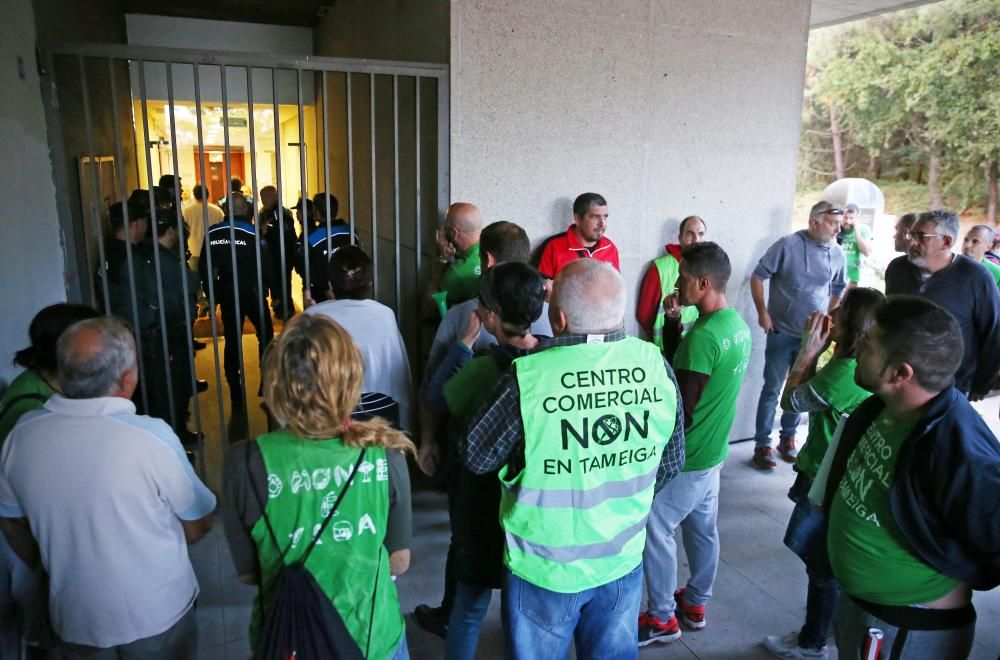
(788,648)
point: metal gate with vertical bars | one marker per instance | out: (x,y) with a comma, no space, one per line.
(375,134)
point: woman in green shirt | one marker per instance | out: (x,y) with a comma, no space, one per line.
(312,384)
(826,394)
(21,589)
(38,381)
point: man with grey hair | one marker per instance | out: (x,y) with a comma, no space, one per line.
(978,241)
(583,431)
(107,501)
(960,285)
(806,271)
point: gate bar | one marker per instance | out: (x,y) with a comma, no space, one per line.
(95,171)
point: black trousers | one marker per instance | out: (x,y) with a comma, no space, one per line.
(232,330)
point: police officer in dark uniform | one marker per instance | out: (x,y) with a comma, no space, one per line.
(221,239)
(323,241)
(174,277)
(278,228)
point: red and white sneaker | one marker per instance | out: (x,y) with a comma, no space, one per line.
(693,616)
(652,629)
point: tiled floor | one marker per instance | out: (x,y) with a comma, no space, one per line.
(760,588)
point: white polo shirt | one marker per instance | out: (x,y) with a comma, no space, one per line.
(104,489)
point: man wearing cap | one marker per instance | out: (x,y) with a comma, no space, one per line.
(583,239)
(176,280)
(458,268)
(854,241)
(235,285)
(583,431)
(660,281)
(325,234)
(806,274)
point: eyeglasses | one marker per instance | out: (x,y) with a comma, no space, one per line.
(833,212)
(918,236)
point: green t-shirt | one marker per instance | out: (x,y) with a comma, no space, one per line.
(852,255)
(868,553)
(27,382)
(993,268)
(834,383)
(461,280)
(468,389)
(717,345)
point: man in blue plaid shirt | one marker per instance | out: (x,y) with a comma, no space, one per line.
(574,539)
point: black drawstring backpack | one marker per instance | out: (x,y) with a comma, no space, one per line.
(301,622)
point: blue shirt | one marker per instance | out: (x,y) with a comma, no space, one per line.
(803,276)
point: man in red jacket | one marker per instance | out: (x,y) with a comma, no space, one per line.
(584,238)
(661,280)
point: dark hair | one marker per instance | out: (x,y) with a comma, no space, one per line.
(198,192)
(350,273)
(116,215)
(908,219)
(320,201)
(852,207)
(167,181)
(506,241)
(691,218)
(857,313)
(162,196)
(708,260)
(45,330)
(924,335)
(515,292)
(140,199)
(165,219)
(583,203)
(236,185)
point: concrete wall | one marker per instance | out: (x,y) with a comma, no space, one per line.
(31,266)
(404,30)
(666,107)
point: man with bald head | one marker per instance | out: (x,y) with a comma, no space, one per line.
(661,281)
(107,501)
(458,253)
(977,242)
(583,431)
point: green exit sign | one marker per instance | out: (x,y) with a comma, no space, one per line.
(234,122)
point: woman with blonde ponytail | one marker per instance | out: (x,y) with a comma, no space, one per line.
(312,385)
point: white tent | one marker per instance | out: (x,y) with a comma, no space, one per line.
(866,195)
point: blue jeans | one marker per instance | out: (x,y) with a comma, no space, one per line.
(467,613)
(805,537)
(689,500)
(603,621)
(778,358)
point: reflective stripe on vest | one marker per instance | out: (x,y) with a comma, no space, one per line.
(567,553)
(669,270)
(596,419)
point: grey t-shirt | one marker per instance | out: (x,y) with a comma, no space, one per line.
(453,326)
(803,276)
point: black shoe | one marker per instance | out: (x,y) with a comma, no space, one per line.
(201,385)
(198,345)
(432,619)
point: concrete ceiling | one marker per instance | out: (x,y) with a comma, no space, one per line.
(831,12)
(306,12)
